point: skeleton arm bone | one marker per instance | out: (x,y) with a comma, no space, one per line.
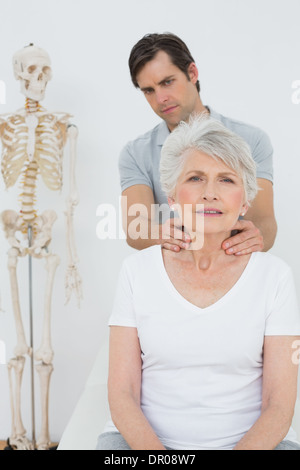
(73,279)
(2,124)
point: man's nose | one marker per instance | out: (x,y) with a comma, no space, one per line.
(161,97)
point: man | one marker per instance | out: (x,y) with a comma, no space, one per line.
(162,67)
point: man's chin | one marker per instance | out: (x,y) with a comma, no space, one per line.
(171,123)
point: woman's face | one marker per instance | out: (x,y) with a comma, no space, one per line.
(209,195)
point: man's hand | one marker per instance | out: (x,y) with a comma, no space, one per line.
(248,240)
(172,237)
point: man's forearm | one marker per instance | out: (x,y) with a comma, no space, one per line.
(268,228)
(143,232)
(141,244)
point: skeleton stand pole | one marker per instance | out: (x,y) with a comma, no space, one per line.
(31,337)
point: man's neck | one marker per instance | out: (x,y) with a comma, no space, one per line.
(199,108)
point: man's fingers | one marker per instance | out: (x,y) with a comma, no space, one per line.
(248,250)
(172,247)
(241,237)
(175,244)
(238,244)
(248,240)
(178,234)
(172,229)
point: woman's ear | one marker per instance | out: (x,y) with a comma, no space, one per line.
(244,209)
(171,202)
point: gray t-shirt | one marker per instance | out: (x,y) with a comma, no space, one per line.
(139,160)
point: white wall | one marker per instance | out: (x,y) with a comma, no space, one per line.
(248,56)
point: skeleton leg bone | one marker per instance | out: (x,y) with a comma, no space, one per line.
(22,348)
(18,437)
(44,371)
(45,352)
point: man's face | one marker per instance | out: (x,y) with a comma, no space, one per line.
(168,91)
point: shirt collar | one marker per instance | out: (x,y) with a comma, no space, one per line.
(163,133)
(214,114)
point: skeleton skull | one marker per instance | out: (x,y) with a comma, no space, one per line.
(32,67)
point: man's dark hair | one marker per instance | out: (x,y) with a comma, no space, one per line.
(146,49)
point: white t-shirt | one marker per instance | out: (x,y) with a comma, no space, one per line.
(202,367)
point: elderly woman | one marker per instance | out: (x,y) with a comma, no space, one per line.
(201,343)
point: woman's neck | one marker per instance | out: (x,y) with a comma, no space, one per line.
(208,252)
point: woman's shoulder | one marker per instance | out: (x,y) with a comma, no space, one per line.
(143,259)
(270,263)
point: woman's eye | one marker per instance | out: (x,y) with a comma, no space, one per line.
(227,180)
(195,178)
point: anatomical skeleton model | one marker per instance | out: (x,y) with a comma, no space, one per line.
(33,142)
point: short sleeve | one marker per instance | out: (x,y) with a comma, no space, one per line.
(131,173)
(123,312)
(284,318)
(263,156)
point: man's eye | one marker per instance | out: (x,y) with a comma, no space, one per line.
(147,92)
(168,82)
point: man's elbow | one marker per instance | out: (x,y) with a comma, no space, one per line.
(272,233)
(134,243)
(141,243)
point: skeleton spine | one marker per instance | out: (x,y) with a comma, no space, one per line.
(28,195)
(32,106)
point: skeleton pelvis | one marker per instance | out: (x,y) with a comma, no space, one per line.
(41,231)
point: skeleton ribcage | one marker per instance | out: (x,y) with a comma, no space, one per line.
(50,136)
(50,139)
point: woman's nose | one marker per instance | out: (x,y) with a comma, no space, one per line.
(210,197)
(209,193)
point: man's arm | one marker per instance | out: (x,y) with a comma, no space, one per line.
(140,226)
(259,227)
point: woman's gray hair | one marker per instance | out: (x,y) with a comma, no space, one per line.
(213,138)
